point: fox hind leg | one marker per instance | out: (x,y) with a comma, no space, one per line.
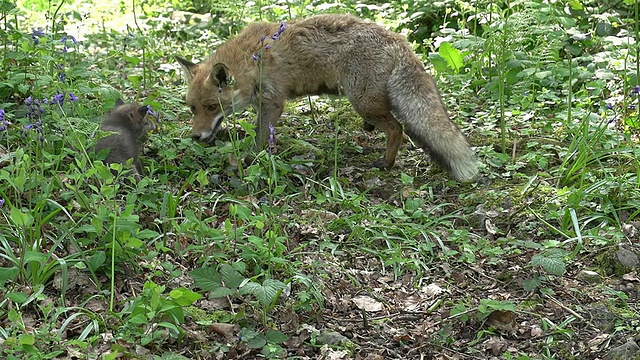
(393,131)
(374,108)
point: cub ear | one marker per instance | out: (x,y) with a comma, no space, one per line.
(119,102)
(220,75)
(142,111)
(187,67)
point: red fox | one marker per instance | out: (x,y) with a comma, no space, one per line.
(130,124)
(376,69)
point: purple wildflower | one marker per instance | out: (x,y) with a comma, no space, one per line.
(58,98)
(61,73)
(272,131)
(72,97)
(155,114)
(64,42)
(34,108)
(36,34)
(1,202)
(3,121)
(37,127)
(636,90)
(609,106)
(276,36)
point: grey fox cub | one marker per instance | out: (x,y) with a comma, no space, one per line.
(130,123)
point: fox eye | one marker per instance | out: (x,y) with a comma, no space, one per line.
(212,107)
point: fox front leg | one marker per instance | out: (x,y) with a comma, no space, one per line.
(268,116)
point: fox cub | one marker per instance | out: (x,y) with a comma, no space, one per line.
(328,54)
(130,124)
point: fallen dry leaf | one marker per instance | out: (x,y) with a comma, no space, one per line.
(367,303)
(502,320)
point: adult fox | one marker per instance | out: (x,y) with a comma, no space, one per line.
(376,69)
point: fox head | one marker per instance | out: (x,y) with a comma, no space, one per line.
(132,117)
(211,96)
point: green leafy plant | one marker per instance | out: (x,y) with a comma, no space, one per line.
(153,315)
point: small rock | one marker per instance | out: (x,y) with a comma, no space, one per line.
(589,277)
(623,352)
(627,258)
(332,337)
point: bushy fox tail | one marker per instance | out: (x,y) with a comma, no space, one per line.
(417,104)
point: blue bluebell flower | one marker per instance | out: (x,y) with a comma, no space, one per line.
(155,114)
(58,98)
(36,34)
(272,131)
(3,121)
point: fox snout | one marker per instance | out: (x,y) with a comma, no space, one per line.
(202,136)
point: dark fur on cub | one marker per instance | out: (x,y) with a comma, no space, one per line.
(130,125)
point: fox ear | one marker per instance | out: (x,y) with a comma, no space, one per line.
(187,67)
(220,75)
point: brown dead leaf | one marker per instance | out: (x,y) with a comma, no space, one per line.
(367,303)
(502,320)
(225,330)
(536,331)
(595,342)
(496,345)
(432,290)
(412,302)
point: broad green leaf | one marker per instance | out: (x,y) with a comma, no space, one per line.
(531,284)
(231,277)
(576,5)
(221,292)
(552,264)
(451,55)
(26,339)
(18,297)
(34,256)
(184,296)
(275,336)
(206,278)
(20,218)
(257,342)
(265,293)
(138,319)
(97,260)
(8,274)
